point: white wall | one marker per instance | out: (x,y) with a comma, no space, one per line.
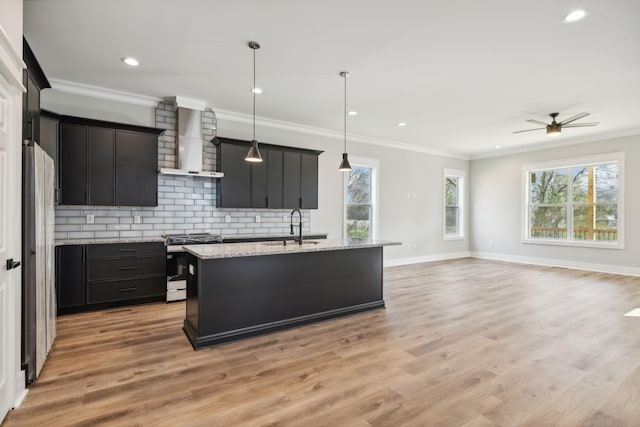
(412,221)
(11,22)
(496,199)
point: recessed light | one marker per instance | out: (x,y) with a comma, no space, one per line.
(352,113)
(402,124)
(574,16)
(633,313)
(133,62)
(256,90)
(498,146)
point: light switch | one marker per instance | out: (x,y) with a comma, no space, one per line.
(227,218)
(90,219)
(258,219)
(137,219)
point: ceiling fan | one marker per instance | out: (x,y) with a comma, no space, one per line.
(554,128)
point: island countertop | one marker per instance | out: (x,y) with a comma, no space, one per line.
(231,250)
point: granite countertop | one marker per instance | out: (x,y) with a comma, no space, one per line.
(232,237)
(106,241)
(231,250)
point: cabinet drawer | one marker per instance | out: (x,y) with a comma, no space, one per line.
(98,292)
(125,250)
(125,268)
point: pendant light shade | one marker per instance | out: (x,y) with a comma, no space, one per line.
(254,153)
(345,166)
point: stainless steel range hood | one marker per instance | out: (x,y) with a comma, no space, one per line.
(189,143)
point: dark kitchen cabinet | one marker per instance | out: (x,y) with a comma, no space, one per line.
(70,276)
(308,181)
(101,168)
(136,168)
(287,177)
(34,81)
(235,192)
(292,176)
(107,164)
(98,276)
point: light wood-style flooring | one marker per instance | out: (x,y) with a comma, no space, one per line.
(461,343)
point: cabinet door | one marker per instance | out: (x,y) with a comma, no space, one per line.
(73,164)
(136,169)
(275,175)
(235,187)
(291,180)
(102,166)
(309,181)
(259,181)
(70,276)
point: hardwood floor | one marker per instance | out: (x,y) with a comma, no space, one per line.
(462,343)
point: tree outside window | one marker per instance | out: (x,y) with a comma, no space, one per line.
(358,200)
(574,204)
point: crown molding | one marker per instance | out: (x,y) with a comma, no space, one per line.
(557,144)
(103,93)
(11,63)
(311,130)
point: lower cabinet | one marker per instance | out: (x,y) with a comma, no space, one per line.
(97,276)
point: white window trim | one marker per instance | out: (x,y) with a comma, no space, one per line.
(462,188)
(571,163)
(374,164)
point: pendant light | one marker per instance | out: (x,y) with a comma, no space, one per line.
(345,166)
(254,153)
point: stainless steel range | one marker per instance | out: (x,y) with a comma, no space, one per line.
(177,261)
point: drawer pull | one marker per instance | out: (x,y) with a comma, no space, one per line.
(128,268)
(128,289)
(128,250)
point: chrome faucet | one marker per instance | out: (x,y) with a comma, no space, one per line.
(299,239)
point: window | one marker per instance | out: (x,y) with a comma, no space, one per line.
(453,224)
(577,202)
(360,199)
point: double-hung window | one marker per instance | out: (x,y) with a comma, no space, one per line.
(576,201)
(453,201)
(360,199)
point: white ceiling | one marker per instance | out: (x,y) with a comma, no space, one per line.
(464,74)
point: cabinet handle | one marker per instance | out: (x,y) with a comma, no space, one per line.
(128,250)
(128,289)
(128,268)
(266,201)
(300,201)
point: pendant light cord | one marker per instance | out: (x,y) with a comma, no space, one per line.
(345,112)
(253,90)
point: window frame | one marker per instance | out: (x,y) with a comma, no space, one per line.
(460,174)
(374,165)
(594,160)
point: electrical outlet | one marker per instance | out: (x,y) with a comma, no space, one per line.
(137,219)
(91,219)
(227,218)
(258,219)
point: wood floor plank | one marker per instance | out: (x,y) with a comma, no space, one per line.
(461,343)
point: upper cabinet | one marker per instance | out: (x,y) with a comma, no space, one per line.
(287,178)
(107,164)
(34,81)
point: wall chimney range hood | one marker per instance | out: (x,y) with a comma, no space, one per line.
(189,141)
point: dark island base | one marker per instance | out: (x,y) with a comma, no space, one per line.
(252,331)
(235,298)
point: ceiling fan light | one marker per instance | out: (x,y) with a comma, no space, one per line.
(553,130)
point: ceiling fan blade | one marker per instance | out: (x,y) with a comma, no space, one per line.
(579,125)
(537,122)
(529,130)
(573,118)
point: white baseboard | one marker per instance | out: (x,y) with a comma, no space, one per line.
(550,262)
(425,258)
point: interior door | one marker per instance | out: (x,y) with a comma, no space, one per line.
(10,183)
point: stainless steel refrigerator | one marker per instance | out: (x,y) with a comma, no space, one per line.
(38,275)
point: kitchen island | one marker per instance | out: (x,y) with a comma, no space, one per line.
(240,290)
